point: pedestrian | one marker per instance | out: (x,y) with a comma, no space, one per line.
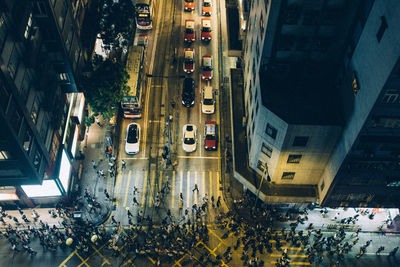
(135,201)
(107,195)
(129,213)
(98,121)
(219,201)
(135,190)
(113,220)
(101,173)
(394,251)
(123,164)
(93,164)
(195,188)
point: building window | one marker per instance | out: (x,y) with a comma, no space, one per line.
(68,41)
(262,27)
(4,155)
(253,126)
(3,30)
(4,96)
(260,165)
(63,14)
(300,141)
(381,29)
(322,186)
(271,131)
(294,159)
(25,85)
(258,49)
(35,109)
(16,119)
(266,150)
(391,96)
(288,175)
(37,159)
(28,27)
(13,62)
(28,141)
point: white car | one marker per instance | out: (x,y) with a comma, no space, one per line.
(189,138)
(132,139)
(208,100)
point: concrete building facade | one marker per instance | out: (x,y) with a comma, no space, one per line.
(41,54)
(320,81)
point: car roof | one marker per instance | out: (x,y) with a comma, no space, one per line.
(188,82)
(207,60)
(210,127)
(206,23)
(189,52)
(189,23)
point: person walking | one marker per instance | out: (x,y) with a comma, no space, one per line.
(195,188)
(219,201)
(93,164)
(135,201)
(394,251)
(123,165)
(135,190)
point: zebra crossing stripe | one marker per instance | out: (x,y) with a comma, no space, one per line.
(173,189)
(152,184)
(187,189)
(146,175)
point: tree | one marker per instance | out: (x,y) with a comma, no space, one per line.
(105,88)
(116,24)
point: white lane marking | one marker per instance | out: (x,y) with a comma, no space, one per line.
(197,157)
(133,158)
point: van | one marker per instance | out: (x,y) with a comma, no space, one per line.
(208,100)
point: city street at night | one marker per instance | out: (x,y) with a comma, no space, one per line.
(199,133)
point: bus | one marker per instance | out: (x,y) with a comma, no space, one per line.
(144,12)
(132,103)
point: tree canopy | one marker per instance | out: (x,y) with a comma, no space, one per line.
(117,21)
(105,88)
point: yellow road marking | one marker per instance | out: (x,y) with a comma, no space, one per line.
(153,179)
(295,263)
(153,261)
(101,255)
(67,258)
(83,261)
(160,180)
(219,244)
(173,190)
(292,248)
(211,187)
(222,241)
(290,255)
(146,174)
(187,189)
(127,187)
(203,183)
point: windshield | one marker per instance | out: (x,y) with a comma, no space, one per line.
(189,30)
(208,101)
(206,29)
(189,141)
(207,4)
(133,134)
(142,8)
(210,137)
(190,1)
(188,61)
(207,68)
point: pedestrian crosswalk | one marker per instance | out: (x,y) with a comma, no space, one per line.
(150,184)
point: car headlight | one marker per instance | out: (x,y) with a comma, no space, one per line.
(214,147)
(183,102)
(191,70)
(192,102)
(202,38)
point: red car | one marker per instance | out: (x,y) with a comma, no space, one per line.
(206,68)
(188,63)
(210,135)
(189,35)
(189,5)
(206,30)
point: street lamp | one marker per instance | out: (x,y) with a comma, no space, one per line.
(265,172)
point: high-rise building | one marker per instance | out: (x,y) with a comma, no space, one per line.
(44,45)
(320,93)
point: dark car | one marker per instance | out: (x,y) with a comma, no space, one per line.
(188,92)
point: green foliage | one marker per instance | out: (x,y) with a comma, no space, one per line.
(117,19)
(89,120)
(105,88)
